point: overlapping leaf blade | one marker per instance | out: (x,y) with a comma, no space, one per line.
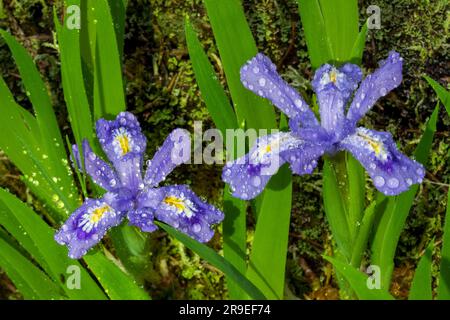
(392,221)
(219,262)
(421,286)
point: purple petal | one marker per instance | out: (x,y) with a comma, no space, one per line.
(248,175)
(121,138)
(303,159)
(386,78)
(316,135)
(333,88)
(130,173)
(391,171)
(87,226)
(100,172)
(143,218)
(260,76)
(331,108)
(76,159)
(345,79)
(124,144)
(183,210)
(174,151)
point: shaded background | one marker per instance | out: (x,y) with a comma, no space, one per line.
(161,90)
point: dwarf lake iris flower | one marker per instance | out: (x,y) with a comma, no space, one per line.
(390,170)
(132,194)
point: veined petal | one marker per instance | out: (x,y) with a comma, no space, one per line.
(180,208)
(87,226)
(249,174)
(260,76)
(386,78)
(100,172)
(143,218)
(124,144)
(331,108)
(391,171)
(174,151)
(345,79)
(121,138)
(303,159)
(333,88)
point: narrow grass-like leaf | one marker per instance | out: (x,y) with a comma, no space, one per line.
(358,47)
(319,45)
(341,24)
(37,239)
(356,193)
(31,282)
(335,207)
(236,46)
(331,29)
(109,98)
(117,284)
(392,221)
(235,239)
(73,83)
(118,12)
(268,257)
(51,143)
(443,290)
(443,94)
(213,94)
(216,100)
(358,282)
(218,261)
(421,286)
(21,141)
(364,230)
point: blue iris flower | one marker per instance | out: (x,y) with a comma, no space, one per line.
(390,170)
(132,194)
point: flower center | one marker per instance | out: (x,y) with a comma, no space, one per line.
(273,145)
(98,213)
(374,145)
(122,142)
(180,205)
(93,216)
(333,76)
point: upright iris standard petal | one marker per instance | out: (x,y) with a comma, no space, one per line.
(391,171)
(87,226)
(124,144)
(249,174)
(345,79)
(333,88)
(260,76)
(174,151)
(183,210)
(332,108)
(100,172)
(386,78)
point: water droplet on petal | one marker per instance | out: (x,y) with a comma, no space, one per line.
(256,181)
(378,181)
(196,228)
(393,183)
